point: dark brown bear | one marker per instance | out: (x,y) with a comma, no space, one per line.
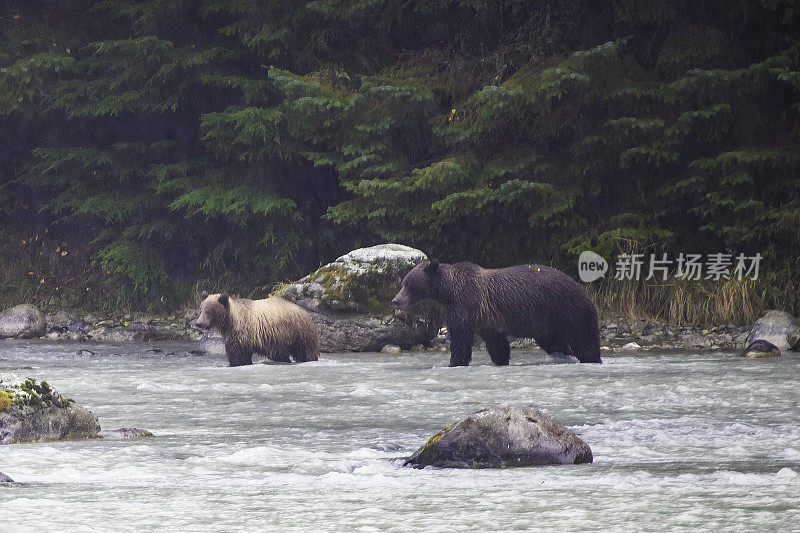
(525,301)
(273,327)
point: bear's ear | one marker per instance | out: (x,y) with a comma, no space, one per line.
(224,299)
(432,267)
(204,295)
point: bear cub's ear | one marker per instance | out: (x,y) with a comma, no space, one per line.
(224,299)
(204,295)
(432,267)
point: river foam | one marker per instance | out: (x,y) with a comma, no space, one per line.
(682,441)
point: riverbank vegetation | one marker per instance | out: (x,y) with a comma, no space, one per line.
(151,148)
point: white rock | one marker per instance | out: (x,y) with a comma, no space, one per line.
(382,253)
(23,321)
(631,346)
(777,327)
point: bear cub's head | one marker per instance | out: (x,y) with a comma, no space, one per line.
(214,311)
(418,284)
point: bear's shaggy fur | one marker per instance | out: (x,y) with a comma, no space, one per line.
(525,301)
(272,327)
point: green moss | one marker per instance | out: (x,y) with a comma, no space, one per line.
(6,398)
(37,394)
(371,290)
(374,306)
(359,287)
(434,438)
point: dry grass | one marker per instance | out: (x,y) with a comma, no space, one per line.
(694,302)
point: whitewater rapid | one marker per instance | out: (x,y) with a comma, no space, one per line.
(681,442)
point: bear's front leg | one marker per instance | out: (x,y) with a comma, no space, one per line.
(462,333)
(238,355)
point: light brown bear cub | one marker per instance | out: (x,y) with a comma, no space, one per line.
(273,327)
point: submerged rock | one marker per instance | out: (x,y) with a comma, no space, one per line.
(777,327)
(23,321)
(350,301)
(126,433)
(499,438)
(30,411)
(761,348)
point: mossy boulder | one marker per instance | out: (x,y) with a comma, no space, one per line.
(23,321)
(350,301)
(31,410)
(500,438)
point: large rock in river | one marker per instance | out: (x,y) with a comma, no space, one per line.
(30,410)
(504,437)
(126,433)
(350,301)
(5,479)
(777,327)
(23,321)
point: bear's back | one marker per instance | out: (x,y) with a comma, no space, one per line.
(521,295)
(530,277)
(275,310)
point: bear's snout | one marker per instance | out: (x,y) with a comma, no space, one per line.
(202,324)
(400,301)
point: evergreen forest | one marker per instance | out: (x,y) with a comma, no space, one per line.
(153,149)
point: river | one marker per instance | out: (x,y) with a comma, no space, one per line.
(681,442)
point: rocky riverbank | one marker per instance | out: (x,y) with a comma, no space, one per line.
(616,333)
(91,327)
(349,300)
(631,334)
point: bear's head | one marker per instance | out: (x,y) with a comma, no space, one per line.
(214,311)
(419,284)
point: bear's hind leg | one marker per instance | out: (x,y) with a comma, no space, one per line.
(498,347)
(282,356)
(587,349)
(238,355)
(585,338)
(302,352)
